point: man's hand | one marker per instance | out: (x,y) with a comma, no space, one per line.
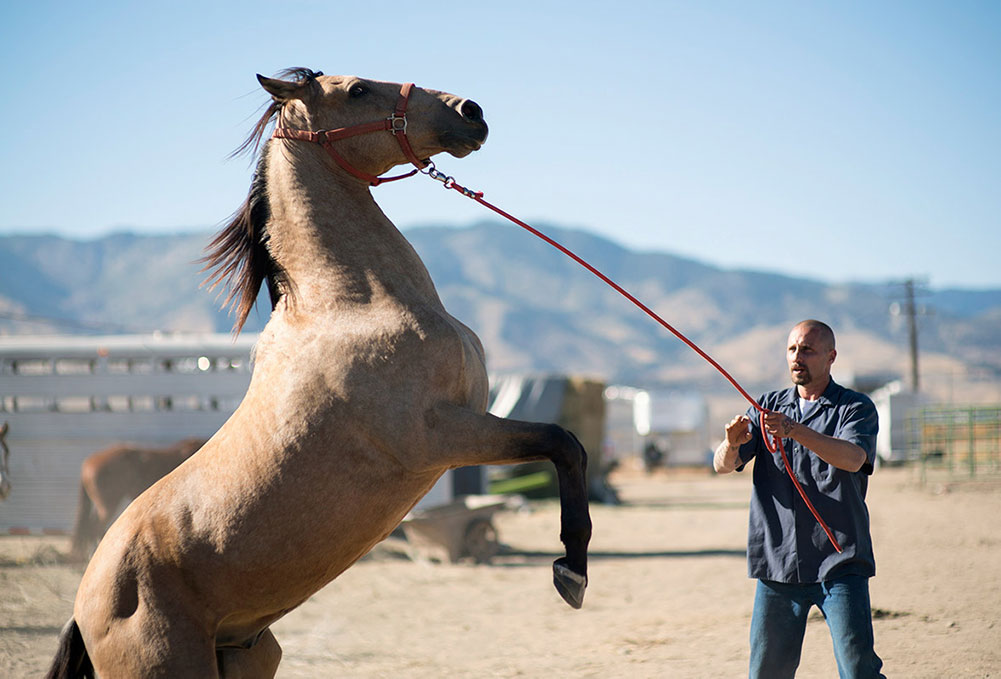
(779,425)
(737,433)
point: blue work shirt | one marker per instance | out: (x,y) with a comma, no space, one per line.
(784,541)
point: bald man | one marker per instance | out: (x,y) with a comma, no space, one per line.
(829,436)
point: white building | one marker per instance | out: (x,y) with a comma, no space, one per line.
(676,422)
(899,439)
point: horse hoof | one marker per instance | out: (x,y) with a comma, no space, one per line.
(569,584)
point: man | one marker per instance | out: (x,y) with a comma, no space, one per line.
(829,435)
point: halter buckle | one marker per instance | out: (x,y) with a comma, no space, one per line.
(397,123)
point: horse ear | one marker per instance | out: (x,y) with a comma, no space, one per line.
(280,90)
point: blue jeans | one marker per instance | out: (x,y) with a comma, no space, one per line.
(779,623)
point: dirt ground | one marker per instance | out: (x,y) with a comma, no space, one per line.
(668,593)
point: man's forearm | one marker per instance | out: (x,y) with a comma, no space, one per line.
(726,458)
(835,452)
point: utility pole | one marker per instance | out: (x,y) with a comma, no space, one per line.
(910,310)
(912,331)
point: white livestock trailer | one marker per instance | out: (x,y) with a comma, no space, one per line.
(66,397)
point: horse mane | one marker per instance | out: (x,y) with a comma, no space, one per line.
(238,257)
(303,76)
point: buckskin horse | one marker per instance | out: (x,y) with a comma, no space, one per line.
(117,473)
(364,392)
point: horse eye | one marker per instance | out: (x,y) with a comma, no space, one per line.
(357,90)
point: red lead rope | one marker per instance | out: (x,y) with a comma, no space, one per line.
(773,445)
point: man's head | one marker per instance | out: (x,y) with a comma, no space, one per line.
(810,354)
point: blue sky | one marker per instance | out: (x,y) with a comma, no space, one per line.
(848,141)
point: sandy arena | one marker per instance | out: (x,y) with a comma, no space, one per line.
(668,594)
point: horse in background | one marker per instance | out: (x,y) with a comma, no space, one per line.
(119,474)
(365,390)
(4,463)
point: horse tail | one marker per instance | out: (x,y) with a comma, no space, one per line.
(72,660)
(83,529)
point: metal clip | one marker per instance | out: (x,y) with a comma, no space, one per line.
(449,181)
(440,176)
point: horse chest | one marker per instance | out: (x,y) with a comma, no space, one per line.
(376,342)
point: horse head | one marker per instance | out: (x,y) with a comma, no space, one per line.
(358,129)
(348,109)
(4,456)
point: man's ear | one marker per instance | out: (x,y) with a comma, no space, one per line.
(281,90)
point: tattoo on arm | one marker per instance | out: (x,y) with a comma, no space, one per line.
(787,425)
(719,461)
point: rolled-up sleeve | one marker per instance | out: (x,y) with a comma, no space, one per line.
(860,426)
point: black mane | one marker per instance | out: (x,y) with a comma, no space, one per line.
(238,257)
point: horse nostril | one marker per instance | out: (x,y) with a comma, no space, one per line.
(471,110)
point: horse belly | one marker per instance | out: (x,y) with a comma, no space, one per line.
(316,547)
(270,545)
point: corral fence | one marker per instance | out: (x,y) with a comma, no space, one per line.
(957,440)
(67,397)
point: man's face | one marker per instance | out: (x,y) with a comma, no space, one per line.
(809,357)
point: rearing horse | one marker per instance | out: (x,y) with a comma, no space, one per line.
(364,392)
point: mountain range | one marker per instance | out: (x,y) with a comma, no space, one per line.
(537,311)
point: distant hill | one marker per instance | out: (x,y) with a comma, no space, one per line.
(537,311)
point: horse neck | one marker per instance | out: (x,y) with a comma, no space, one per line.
(333,241)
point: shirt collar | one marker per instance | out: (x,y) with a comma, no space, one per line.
(790,396)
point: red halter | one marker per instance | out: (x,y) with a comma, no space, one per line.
(396,123)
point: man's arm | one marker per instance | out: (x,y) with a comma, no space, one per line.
(835,452)
(726,458)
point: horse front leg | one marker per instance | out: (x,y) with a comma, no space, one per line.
(570,572)
(463,437)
